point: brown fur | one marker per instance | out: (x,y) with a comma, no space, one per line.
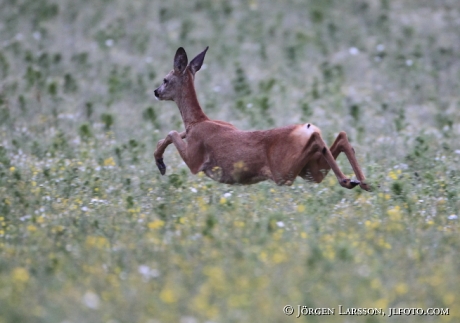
(232,156)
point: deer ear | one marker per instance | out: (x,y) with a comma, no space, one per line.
(180,60)
(196,63)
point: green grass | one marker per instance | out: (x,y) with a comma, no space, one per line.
(91,232)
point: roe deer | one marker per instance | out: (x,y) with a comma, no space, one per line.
(232,156)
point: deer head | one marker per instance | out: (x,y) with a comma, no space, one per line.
(182,76)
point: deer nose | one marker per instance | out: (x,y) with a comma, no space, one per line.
(156,93)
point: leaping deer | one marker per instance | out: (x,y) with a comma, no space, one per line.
(232,156)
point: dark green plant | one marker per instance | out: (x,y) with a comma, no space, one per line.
(4,66)
(4,160)
(150,115)
(355,112)
(89,109)
(52,89)
(70,84)
(108,120)
(85,132)
(240,82)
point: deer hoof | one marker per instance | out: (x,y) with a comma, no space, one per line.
(354,182)
(347,183)
(365,187)
(161,166)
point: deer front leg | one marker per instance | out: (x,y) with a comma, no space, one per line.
(180,144)
(161,147)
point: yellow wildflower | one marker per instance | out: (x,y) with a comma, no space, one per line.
(449,299)
(167,295)
(109,162)
(202,204)
(381,303)
(401,289)
(263,256)
(394,174)
(395,213)
(32,228)
(376,284)
(20,275)
(156,224)
(97,242)
(239,224)
(279,257)
(57,229)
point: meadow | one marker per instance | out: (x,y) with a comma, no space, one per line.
(91,232)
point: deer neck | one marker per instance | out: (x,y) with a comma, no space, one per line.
(189,106)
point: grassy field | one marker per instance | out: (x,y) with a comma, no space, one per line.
(91,232)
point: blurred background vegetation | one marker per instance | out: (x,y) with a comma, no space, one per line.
(89,230)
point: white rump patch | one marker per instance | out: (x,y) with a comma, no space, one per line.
(303,132)
(309,128)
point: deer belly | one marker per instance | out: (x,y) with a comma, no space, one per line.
(237,172)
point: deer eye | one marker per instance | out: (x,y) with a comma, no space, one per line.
(165,81)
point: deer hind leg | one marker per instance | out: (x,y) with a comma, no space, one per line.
(314,170)
(341,144)
(319,160)
(159,151)
(318,167)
